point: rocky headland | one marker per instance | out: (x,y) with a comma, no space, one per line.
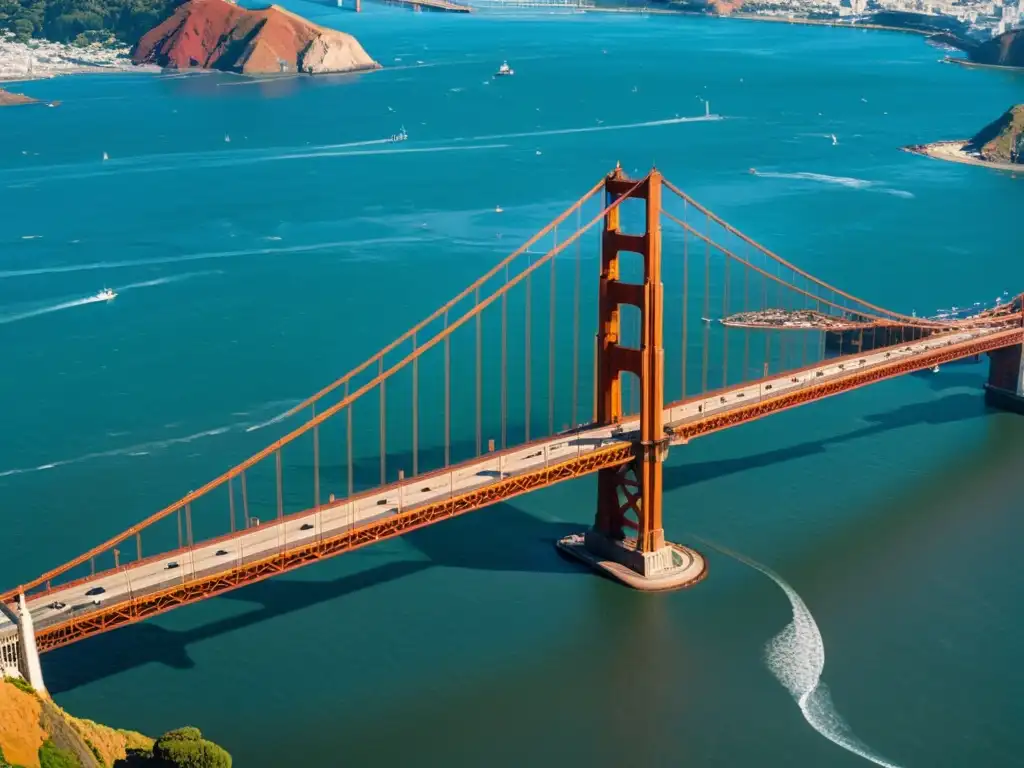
(1005,50)
(8,99)
(217,34)
(999,145)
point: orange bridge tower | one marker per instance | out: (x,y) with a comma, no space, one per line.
(627,540)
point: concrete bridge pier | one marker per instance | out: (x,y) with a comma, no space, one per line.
(29,664)
(1005,387)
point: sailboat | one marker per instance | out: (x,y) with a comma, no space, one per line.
(106,156)
(227,138)
(834,141)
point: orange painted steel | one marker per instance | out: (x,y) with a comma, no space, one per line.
(628,474)
(442,310)
(450,327)
(878,320)
(145,606)
(796,270)
(835,386)
(647,363)
(617,459)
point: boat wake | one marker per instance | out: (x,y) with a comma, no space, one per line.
(267,251)
(596,128)
(144,449)
(796,657)
(843,181)
(176,161)
(96,299)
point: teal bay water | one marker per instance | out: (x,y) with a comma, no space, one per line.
(253,272)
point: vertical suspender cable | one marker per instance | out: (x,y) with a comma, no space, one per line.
(551,346)
(504,365)
(383,424)
(479,377)
(686,292)
(576,330)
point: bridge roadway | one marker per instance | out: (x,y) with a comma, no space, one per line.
(80,600)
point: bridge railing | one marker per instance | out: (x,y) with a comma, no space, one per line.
(255,489)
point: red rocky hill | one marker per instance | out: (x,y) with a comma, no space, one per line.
(217,34)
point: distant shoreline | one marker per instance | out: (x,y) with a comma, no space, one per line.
(759,17)
(137,69)
(953,152)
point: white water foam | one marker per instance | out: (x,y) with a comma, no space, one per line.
(596,128)
(64,305)
(843,181)
(12,273)
(176,161)
(796,656)
(289,404)
(153,446)
(142,449)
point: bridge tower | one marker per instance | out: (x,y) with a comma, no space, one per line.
(627,540)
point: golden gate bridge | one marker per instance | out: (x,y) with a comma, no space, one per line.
(509,362)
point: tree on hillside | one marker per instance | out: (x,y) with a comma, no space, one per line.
(84,20)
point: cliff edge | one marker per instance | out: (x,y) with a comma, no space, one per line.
(217,34)
(36,733)
(1005,50)
(1001,141)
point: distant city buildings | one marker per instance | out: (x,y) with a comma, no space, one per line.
(982,18)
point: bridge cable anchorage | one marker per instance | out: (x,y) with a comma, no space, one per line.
(844,343)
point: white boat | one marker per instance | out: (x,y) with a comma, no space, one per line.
(400,136)
(498,209)
(834,141)
(504,70)
(105,156)
(105,295)
(227,138)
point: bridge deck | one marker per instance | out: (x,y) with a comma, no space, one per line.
(151,586)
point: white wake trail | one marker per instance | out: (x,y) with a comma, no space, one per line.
(796,656)
(4,320)
(47,310)
(842,181)
(596,128)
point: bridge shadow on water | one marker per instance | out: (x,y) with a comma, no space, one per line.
(949,409)
(503,539)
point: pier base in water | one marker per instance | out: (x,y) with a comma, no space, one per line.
(672,567)
(1004,399)
(1005,387)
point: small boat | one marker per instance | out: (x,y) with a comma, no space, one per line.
(935,369)
(227,138)
(400,136)
(504,70)
(707,320)
(498,209)
(753,171)
(106,156)
(834,141)
(105,295)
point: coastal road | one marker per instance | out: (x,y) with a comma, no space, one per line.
(696,416)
